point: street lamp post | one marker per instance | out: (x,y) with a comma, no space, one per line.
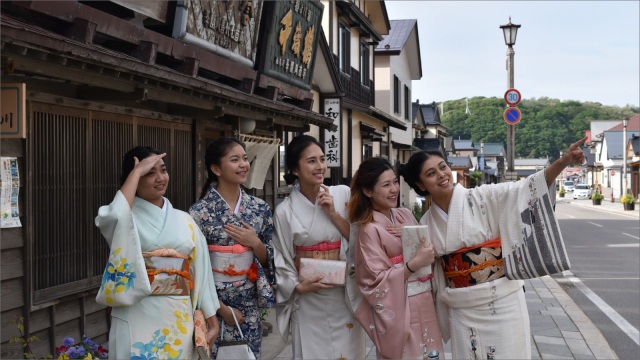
(625,122)
(510,32)
(561,174)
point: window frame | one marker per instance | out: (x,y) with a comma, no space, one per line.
(396,94)
(344,48)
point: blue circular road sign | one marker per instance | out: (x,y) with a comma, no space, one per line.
(512,115)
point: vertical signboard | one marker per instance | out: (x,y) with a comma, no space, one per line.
(292,32)
(332,138)
(227,28)
(13,111)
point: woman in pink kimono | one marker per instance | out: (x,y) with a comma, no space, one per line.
(400,325)
(483,312)
(310,223)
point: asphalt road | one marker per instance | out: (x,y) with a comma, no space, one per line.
(604,251)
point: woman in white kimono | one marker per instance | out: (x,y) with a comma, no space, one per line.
(152,314)
(483,312)
(311,223)
(399,315)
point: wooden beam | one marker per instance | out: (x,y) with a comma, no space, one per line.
(147,51)
(82,30)
(102,94)
(189,66)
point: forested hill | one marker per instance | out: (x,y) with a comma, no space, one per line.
(547,125)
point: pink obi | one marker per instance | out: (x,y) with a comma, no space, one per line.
(416,286)
(326,250)
(232,263)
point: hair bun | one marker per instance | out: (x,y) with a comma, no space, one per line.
(289,178)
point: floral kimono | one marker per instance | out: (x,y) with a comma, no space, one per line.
(156,322)
(248,291)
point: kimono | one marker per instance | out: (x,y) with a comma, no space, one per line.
(160,325)
(321,322)
(484,313)
(401,326)
(253,293)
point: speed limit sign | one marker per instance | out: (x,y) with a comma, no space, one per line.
(512,97)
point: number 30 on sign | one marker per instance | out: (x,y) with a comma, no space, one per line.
(512,97)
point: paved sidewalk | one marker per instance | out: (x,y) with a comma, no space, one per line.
(559,329)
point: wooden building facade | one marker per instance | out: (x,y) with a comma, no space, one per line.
(101,77)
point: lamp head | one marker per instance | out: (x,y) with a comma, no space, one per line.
(625,122)
(510,32)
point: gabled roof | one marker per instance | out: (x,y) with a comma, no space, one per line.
(403,36)
(633,125)
(531,162)
(429,144)
(463,144)
(430,114)
(614,143)
(491,149)
(460,162)
(589,158)
(449,144)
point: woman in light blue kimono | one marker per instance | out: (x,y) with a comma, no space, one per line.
(158,270)
(238,229)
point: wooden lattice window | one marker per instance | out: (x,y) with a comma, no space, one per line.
(75,156)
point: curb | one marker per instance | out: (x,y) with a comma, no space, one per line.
(597,343)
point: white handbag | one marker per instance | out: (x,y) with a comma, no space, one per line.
(234,350)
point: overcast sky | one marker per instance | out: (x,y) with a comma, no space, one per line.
(578,50)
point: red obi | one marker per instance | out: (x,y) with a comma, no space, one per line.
(474,265)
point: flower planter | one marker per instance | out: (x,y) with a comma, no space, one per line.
(629,206)
(597,201)
(561,194)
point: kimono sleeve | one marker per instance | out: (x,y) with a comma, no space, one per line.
(124,281)
(203,295)
(285,268)
(383,313)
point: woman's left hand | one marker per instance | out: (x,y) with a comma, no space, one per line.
(574,154)
(214,330)
(244,235)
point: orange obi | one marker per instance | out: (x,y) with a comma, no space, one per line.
(474,265)
(168,272)
(232,263)
(326,250)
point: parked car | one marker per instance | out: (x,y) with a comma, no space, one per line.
(569,186)
(582,191)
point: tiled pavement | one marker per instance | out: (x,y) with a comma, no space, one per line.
(559,329)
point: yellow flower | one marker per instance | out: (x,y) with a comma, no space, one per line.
(178,342)
(171,351)
(165,331)
(88,357)
(116,251)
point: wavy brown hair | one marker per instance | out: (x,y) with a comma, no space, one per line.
(360,208)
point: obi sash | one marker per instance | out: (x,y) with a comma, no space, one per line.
(168,272)
(232,263)
(417,286)
(474,265)
(326,250)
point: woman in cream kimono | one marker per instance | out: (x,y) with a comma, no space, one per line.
(311,223)
(238,230)
(483,312)
(398,315)
(158,270)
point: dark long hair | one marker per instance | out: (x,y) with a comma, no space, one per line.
(218,149)
(293,152)
(128,163)
(360,208)
(411,170)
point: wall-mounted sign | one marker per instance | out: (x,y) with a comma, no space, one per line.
(332,138)
(227,28)
(13,111)
(292,30)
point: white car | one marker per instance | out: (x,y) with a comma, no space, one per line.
(569,186)
(582,191)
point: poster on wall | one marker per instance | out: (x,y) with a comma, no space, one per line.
(227,28)
(10,180)
(332,138)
